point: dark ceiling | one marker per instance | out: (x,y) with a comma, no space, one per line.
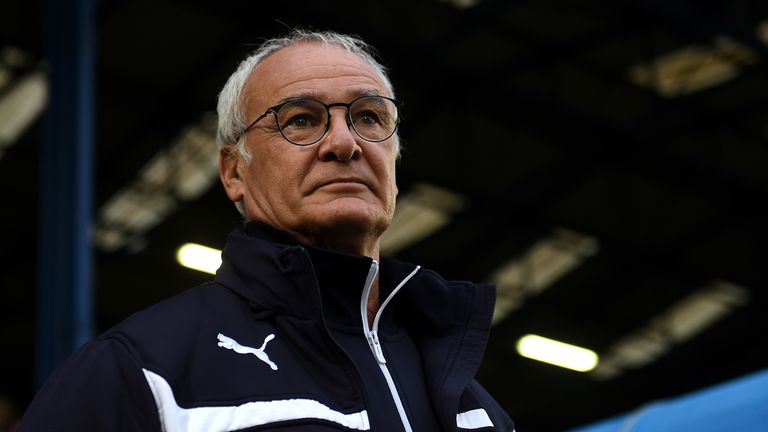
(527,109)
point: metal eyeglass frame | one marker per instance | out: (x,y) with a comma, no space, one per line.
(276,108)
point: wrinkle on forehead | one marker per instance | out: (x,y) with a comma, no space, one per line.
(314,70)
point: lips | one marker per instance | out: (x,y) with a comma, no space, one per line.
(342,181)
(345,180)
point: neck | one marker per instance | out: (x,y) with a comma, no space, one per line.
(348,238)
(343,242)
(373,301)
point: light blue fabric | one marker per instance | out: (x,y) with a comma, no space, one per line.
(738,405)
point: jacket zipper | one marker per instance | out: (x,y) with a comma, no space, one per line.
(373,336)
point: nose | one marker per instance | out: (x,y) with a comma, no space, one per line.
(340,142)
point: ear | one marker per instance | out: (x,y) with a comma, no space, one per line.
(229,171)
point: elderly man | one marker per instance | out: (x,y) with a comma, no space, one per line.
(305,327)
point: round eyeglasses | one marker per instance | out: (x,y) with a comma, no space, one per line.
(305,121)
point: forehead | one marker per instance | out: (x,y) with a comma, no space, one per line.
(322,71)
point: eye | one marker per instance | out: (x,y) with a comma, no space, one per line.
(367,118)
(302,114)
(299,121)
(373,112)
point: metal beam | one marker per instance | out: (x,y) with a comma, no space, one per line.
(65,315)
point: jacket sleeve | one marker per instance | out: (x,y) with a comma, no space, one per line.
(99,388)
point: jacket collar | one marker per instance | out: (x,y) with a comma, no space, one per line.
(448,321)
(279,274)
(263,270)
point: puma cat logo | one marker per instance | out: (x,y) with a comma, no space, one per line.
(229,343)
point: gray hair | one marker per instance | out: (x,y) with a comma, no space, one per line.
(231,105)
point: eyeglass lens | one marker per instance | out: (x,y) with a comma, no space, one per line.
(304,121)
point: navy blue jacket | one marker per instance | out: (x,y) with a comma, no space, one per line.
(279,341)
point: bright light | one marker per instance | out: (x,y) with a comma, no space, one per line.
(557,353)
(199,257)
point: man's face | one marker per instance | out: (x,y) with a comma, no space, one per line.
(337,192)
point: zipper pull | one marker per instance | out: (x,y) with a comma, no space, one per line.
(373,339)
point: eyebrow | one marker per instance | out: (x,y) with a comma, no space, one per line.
(312,95)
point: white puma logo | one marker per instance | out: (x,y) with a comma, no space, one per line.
(229,343)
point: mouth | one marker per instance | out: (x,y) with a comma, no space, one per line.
(344,182)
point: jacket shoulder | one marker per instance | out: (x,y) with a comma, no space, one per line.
(98,388)
(171,311)
(167,333)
